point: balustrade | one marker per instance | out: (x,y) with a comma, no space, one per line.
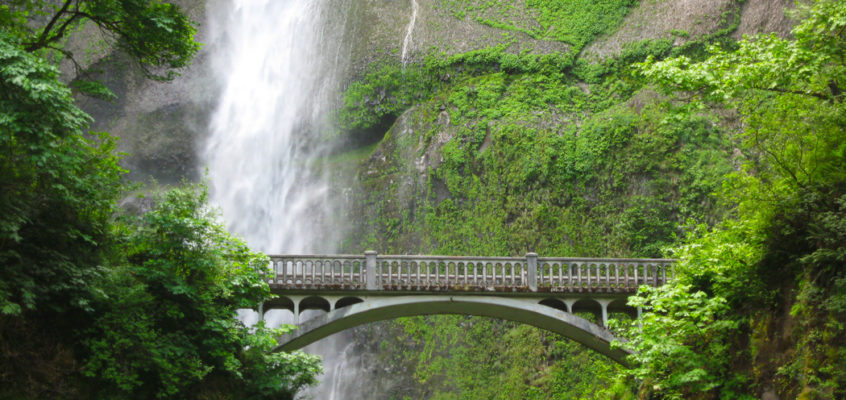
(586,274)
(323,271)
(450,273)
(446,273)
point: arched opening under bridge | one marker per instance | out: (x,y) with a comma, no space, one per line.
(524,310)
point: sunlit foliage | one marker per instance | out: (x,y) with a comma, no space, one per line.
(783,250)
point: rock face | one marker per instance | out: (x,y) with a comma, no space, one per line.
(765,16)
(161,124)
(379,29)
(394,181)
(681,20)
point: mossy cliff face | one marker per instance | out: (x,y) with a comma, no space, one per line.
(566,156)
(502,164)
(504,154)
(161,124)
(431,188)
(479,169)
(506,163)
(570,155)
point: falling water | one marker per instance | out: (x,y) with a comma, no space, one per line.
(277,87)
(340,369)
(406,41)
(278,64)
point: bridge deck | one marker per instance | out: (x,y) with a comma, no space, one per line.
(530,274)
(357,289)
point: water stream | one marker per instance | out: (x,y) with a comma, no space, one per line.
(277,64)
(406,41)
(261,154)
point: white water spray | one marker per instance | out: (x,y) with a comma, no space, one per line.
(277,63)
(341,369)
(277,86)
(406,41)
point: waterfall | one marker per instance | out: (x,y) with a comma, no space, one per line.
(277,65)
(276,88)
(406,41)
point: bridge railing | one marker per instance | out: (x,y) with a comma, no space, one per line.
(531,273)
(324,271)
(451,273)
(601,274)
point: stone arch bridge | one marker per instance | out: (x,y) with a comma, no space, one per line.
(542,291)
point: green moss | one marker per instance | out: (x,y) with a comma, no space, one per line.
(576,22)
(351,158)
(371,104)
(509,153)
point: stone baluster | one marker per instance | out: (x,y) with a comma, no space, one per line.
(532,267)
(370,282)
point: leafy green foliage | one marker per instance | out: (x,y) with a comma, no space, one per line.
(685,334)
(372,103)
(167,323)
(95,307)
(92,88)
(579,21)
(783,248)
(267,375)
(58,189)
(153,32)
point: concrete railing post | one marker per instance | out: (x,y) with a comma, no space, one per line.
(603,303)
(532,271)
(370,270)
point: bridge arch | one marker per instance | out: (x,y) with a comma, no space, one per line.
(555,303)
(347,301)
(524,310)
(315,303)
(620,306)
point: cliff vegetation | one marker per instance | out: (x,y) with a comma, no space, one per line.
(726,154)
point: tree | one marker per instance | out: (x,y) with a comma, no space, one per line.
(95,302)
(58,189)
(59,182)
(166,326)
(711,333)
(154,33)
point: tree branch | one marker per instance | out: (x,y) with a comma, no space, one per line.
(821,96)
(45,33)
(76,66)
